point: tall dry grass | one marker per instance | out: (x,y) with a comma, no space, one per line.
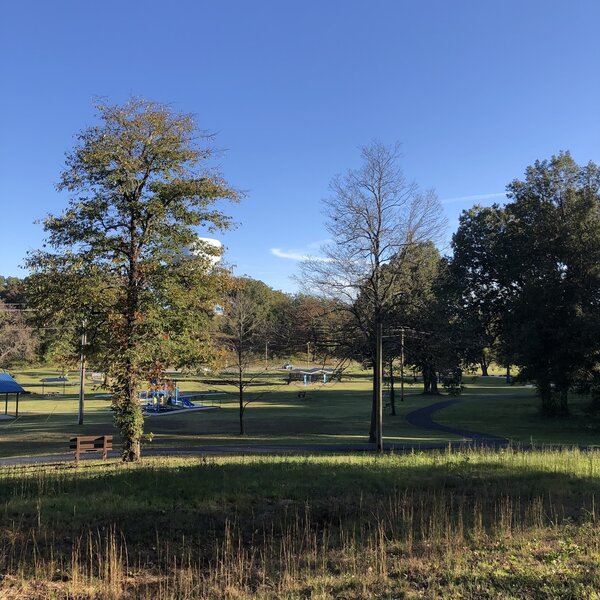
(433,539)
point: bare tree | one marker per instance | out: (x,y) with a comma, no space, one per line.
(17,340)
(374,215)
(243,322)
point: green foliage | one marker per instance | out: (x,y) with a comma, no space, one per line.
(551,275)
(18,342)
(139,186)
(421,312)
(130,423)
(452,385)
(11,290)
(243,332)
(525,282)
(472,283)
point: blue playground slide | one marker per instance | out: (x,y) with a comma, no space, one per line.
(186,403)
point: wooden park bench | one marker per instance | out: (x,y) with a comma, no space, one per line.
(91,443)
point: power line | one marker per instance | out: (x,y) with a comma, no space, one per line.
(33,328)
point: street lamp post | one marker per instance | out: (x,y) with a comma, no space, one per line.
(402,364)
(267,355)
(82,374)
(379,383)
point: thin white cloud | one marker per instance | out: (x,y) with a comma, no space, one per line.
(295,255)
(318,244)
(474,198)
(291,254)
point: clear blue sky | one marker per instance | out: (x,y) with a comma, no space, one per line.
(475,91)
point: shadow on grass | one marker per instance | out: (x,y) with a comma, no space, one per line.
(195,498)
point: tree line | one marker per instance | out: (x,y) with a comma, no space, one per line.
(123,262)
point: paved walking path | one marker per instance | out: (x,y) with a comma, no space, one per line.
(423,418)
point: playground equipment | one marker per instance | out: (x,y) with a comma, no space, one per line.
(166,396)
(160,396)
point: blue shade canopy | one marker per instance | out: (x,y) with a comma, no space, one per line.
(8,385)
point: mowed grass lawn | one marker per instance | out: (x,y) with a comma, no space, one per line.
(491,406)
(334,413)
(437,525)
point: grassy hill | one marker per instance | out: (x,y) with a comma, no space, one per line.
(476,524)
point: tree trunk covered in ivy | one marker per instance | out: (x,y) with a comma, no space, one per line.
(126,253)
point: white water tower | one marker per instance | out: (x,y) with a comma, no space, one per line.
(207,248)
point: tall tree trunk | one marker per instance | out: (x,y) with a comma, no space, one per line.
(379,379)
(241,395)
(392,392)
(434,382)
(545,393)
(373,426)
(128,416)
(483,363)
(562,409)
(241,390)
(426,380)
(430,385)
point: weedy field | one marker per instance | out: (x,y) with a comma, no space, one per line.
(447,525)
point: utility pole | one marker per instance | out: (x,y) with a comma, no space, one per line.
(392,390)
(308,355)
(378,383)
(82,373)
(401,364)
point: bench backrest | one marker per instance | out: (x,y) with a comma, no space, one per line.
(92,442)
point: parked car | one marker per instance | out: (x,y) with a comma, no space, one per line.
(288,366)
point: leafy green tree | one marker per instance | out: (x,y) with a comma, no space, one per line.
(302,323)
(473,283)
(12,291)
(139,185)
(552,278)
(421,309)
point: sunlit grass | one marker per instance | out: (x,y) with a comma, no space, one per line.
(332,413)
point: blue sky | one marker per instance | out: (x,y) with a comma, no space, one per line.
(475,91)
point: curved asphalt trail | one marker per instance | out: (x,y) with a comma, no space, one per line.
(422,418)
